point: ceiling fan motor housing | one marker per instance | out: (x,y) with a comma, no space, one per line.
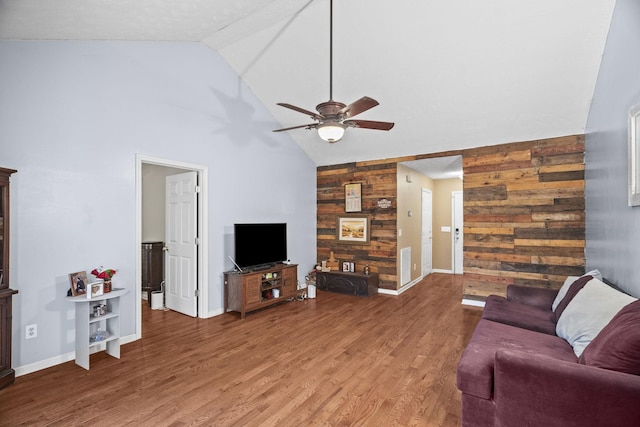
(330,109)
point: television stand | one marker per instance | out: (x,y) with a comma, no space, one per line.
(253,290)
(259,267)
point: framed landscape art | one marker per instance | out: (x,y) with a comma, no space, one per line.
(353,229)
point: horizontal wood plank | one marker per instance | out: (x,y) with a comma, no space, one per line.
(524,214)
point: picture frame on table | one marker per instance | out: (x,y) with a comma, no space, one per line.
(353,229)
(348,267)
(95,289)
(78,282)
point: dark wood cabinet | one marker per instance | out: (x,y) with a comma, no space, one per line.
(7,374)
(152,267)
(246,292)
(359,284)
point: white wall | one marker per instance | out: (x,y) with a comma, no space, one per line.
(613,228)
(154,201)
(73,116)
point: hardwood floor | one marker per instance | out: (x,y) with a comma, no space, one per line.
(335,360)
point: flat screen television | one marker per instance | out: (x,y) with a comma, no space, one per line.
(260,245)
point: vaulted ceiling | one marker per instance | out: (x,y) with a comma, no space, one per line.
(451,74)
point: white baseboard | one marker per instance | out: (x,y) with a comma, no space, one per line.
(214,313)
(397,292)
(63,358)
(410,284)
(472,302)
(44,364)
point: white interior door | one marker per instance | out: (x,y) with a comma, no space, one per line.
(181,248)
(427,232)
(458,233)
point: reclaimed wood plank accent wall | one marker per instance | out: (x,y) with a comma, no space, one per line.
(378,179)
(524,215)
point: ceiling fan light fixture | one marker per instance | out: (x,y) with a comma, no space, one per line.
(331,131)
(334,117)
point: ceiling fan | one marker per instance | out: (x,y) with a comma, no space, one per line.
(334,117)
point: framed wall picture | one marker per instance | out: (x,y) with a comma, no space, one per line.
(353,229)
(95,289)
(634,155)
(353,197)
(78,282)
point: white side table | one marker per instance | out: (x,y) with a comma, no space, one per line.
(87,323)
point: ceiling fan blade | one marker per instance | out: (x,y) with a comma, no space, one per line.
(301,110)
(357,107)
(309,126)
(369,124)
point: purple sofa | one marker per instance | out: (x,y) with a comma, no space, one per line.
(517,371)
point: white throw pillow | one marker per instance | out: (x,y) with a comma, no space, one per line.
(567,284)
(588,312)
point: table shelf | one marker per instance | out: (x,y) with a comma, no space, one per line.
(87,323)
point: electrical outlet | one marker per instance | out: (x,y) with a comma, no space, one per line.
(31,331)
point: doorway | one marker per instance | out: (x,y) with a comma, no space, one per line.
(427,232)
(457,221)
(445,178)
(149,226)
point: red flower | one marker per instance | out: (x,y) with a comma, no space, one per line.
(102,273)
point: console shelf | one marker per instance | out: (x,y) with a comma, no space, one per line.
(245,292)
(87,324)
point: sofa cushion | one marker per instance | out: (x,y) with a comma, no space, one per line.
(525,316)
(530,391)
(617,346)
(572,291)
(475,370)
(537,297)
(589,312)
(568,282)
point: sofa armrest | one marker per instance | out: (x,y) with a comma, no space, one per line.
(537,390)
(537,297)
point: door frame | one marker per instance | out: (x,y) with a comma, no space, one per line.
(203,227)
(454,205)
(428,191)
